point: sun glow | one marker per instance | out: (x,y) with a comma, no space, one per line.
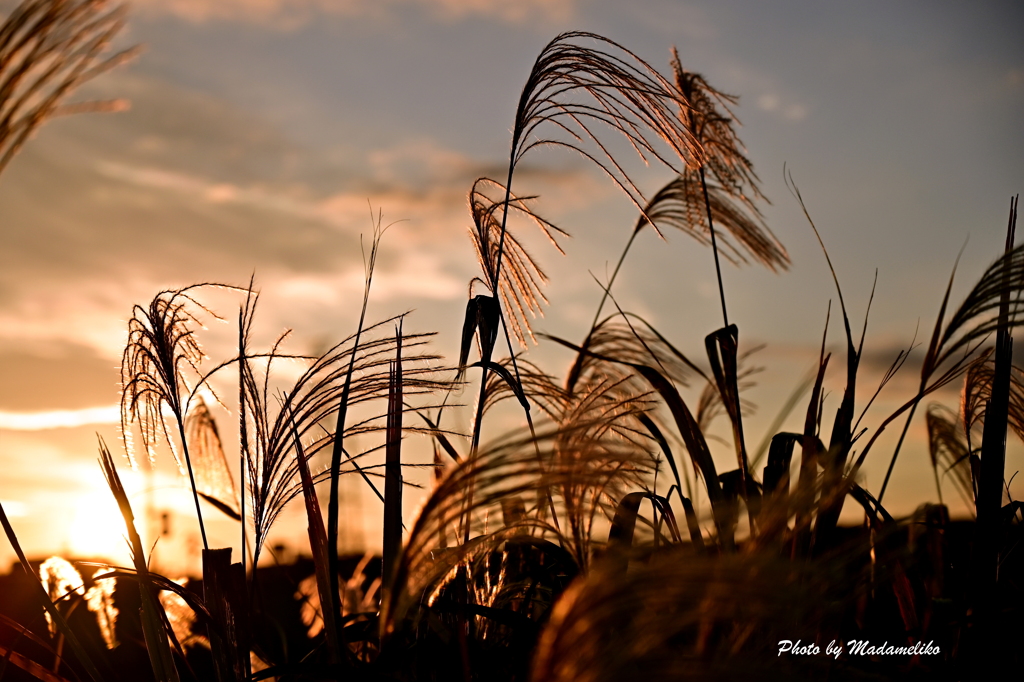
(97,528)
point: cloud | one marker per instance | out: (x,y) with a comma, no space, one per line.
(59,419)
(773,103)
(293,13)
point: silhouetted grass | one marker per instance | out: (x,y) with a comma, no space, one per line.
(558,552)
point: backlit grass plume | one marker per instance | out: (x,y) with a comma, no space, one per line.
(587,463)
(581,83)
(160,369)
(47,49)
(577,90)
(684,616)
(724,176)
(356,371)
(520,290)
(719,188)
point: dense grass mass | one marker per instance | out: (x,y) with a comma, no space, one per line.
(556,551)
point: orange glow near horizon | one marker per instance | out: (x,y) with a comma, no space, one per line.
(97,528)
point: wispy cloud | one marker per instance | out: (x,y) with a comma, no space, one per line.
(59,419)
(292,13)
(773,103)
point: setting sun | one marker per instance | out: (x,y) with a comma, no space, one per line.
(96,528)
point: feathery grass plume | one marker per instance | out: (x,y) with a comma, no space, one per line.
(100,600)
(213,477)
(719,187)
(609,412)
(686,616)
(610,402)
(520,291)
(538,387)
(977,394)
(579,456)
(181,618)
(346,373)
(746,237)
(160,359)
(61,580)
(688,428)
(618,337)
(574,87)
(614,348)
(950,451)
(47,49)
(710,121)
(358,597)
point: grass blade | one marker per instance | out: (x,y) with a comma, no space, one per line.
(985,564)
(152,623)
(321,550)
(392,531)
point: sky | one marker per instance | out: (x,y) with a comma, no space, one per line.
(264,136)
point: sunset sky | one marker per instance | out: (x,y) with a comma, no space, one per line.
(263,134)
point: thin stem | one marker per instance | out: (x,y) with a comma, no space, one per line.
(714,243)
(333,506)
(485,355)
(243,431)
(896,452)
(606,291)
(191,476)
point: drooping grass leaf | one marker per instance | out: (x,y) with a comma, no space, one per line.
(722,348)
(623,526)
(688,428)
